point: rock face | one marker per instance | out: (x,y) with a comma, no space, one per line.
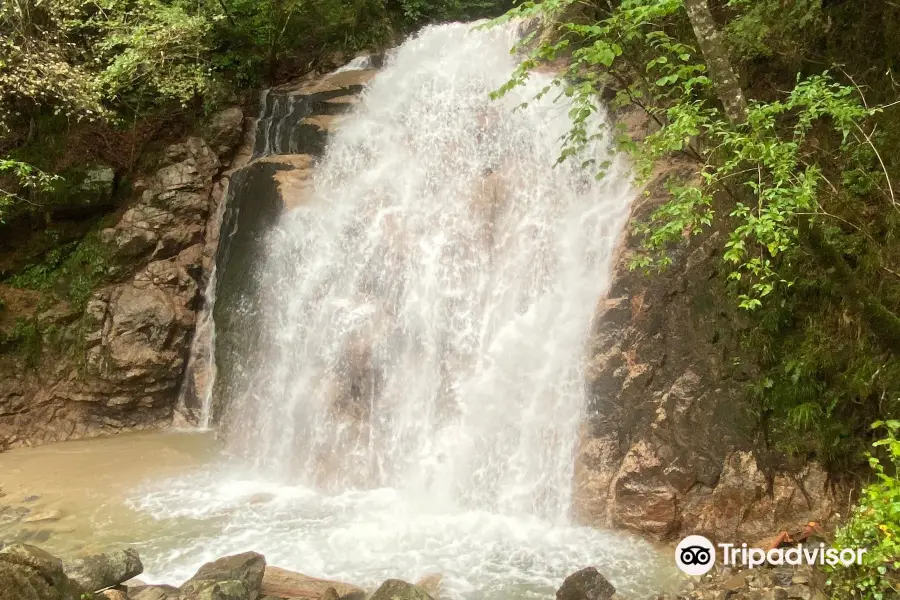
(664,450)
(29,573)
(101,571)
(586,584)
(121,359)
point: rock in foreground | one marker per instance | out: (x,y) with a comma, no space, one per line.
(586,584)
(100,571)
(29,573)
(237,577)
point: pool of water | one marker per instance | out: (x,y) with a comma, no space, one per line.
(178,500)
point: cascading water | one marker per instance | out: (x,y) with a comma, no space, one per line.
(430,303)
(414,402)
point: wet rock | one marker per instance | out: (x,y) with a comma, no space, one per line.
(29,535)
(396,589)
(282,583)
(114,595)
(764,583)
(29,573)
(100,571)
(99,180)
(642,499)
(799,592)
(586,584)
(237,577)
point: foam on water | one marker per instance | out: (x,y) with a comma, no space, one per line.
(415,403)
(367,536)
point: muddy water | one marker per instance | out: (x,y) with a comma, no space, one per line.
(180,501)
(72,498)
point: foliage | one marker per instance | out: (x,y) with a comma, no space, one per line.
(153,51)
(71,271)
(767,28)
(26,177)
(874,525)
(40,64)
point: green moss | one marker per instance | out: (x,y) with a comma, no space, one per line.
(69,272)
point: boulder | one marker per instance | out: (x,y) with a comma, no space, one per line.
(237,577)
(586,584)
(282,583)
(29,573)
(100,571)
(397,589)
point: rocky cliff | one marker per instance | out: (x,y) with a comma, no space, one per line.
(117,363)
(668,448)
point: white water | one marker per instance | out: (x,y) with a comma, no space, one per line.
(416,402)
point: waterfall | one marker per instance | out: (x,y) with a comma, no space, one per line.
(428,306)
(413,393)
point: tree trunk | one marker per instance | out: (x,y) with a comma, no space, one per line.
(716,54)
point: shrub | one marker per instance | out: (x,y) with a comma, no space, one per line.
(874,525)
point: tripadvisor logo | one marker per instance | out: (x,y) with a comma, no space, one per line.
(696,555)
